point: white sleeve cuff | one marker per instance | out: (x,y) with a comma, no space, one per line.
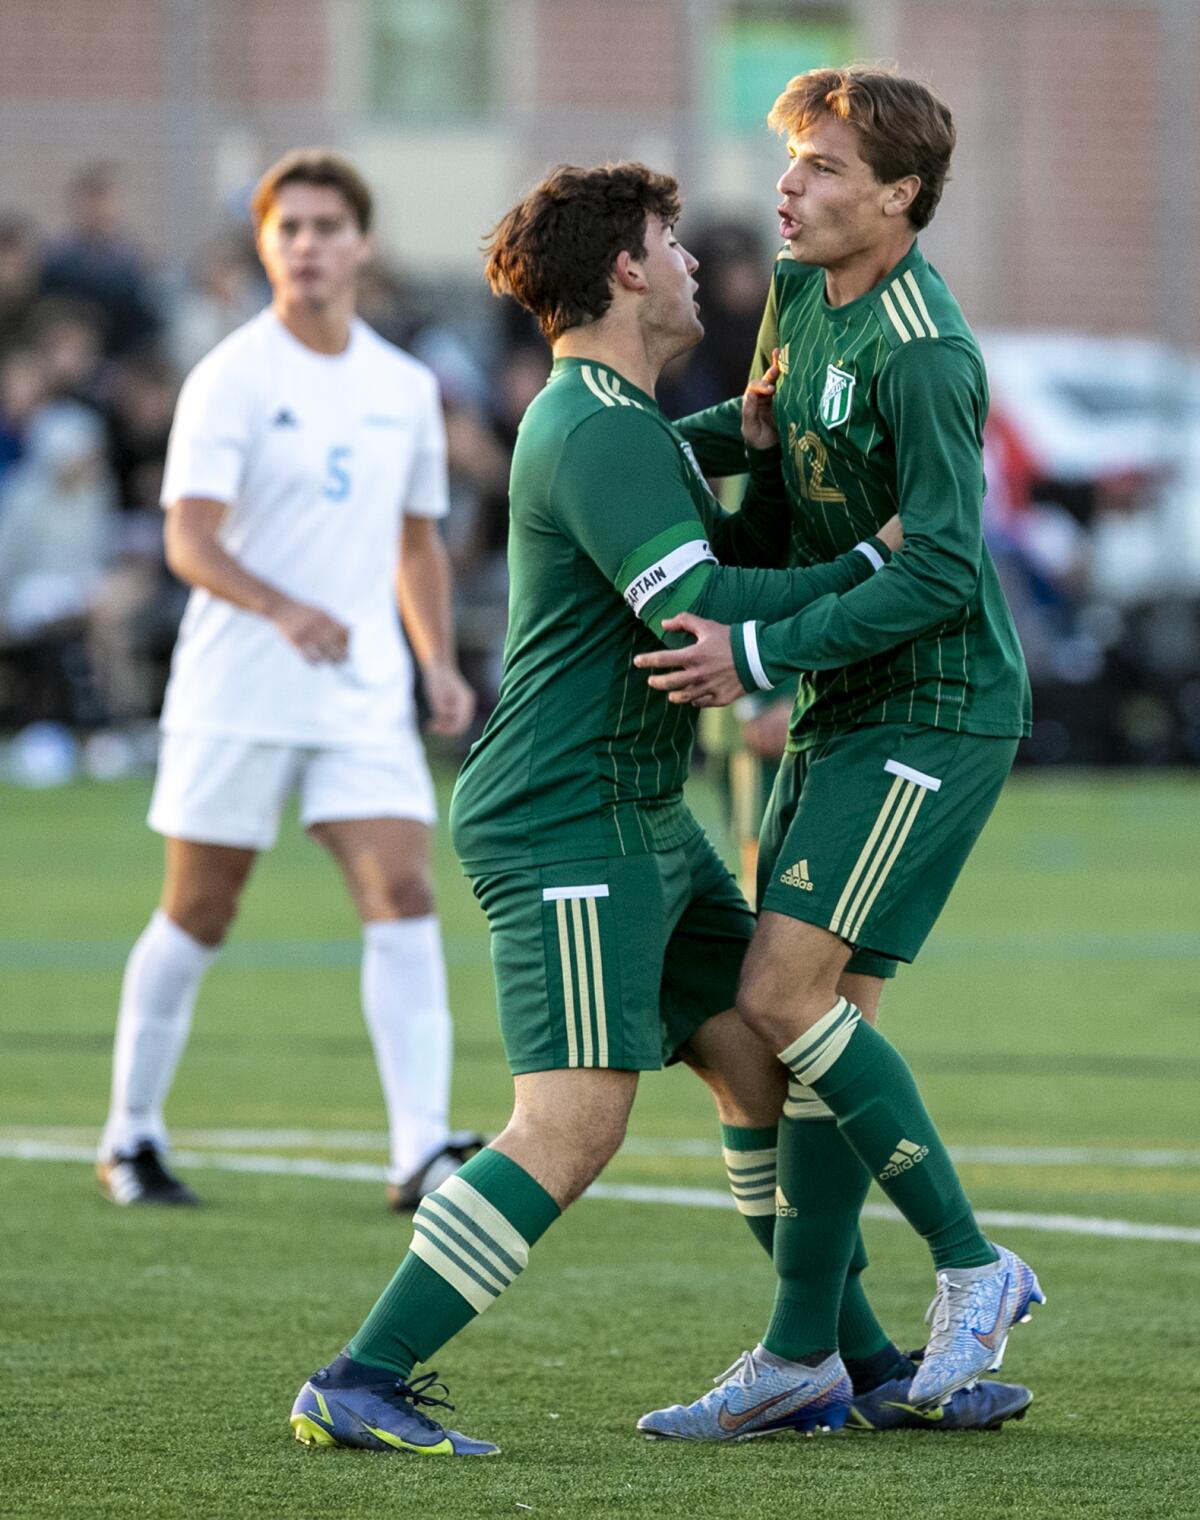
(753,660)
(872,554)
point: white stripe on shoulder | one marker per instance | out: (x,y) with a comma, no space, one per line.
(556,894)
(902,331)
(613,386)
(590,381)
(906,307)
(920,778)
(911,282)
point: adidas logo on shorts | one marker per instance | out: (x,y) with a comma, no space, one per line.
(797,876)
(903,1159)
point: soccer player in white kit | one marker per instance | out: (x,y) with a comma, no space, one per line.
(305,475)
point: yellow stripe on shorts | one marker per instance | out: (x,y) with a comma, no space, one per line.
(879,855)
(583,981)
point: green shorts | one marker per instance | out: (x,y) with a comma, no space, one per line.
(866,834)
(613,962)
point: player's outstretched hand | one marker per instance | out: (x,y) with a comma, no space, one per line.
(451,700)
(321,639)
(702,673)
(758,416)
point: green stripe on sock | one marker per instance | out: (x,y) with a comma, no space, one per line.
(419,1311)
(752,1184)
(455,1244)
(463,1265)
(490,1246)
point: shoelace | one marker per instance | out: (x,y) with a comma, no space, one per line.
(950,1299)
(415,1392)
(745,1370)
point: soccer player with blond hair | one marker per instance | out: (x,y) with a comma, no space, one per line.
(912,699)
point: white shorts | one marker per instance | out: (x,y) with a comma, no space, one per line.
(222,789)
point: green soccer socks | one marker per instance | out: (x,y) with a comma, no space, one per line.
(750,1161)
(816,1148)
(870,1090)
(471,1238)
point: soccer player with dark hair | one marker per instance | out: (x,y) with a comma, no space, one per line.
(617,932)
(912,698)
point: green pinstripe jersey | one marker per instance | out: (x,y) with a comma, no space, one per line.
(612,529)
(880,408)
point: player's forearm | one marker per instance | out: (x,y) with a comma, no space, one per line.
(916,591)
(715,435)
(759,534)
(425,595)
(727,594)
(200,560)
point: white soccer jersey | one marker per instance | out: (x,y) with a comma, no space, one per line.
(319,458)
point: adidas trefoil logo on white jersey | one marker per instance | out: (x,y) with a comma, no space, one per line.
(797,876)
(903,1159)
(783,1209)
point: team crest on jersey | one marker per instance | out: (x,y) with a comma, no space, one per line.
(836,397)
(783,360)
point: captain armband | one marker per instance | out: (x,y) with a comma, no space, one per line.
(652,580)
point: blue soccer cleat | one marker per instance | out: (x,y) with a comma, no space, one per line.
(349,1404)
(758,1397)
(970,1317)
(986,1406)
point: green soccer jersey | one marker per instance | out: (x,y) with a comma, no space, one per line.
(880,408)
(612,529)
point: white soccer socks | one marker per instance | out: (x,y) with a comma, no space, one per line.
(405,1005)
(158,993)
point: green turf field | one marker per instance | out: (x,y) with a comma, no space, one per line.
(150,1359)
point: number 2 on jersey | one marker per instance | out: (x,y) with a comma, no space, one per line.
(811,462)
(337,474)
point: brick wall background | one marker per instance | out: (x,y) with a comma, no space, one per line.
(1066,206)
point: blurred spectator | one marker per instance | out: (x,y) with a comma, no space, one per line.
(56,521)
(383,301)
(225,289)
(136,611)
(734,276)
(23,388)
(98,260)
(68,337)
(139,403)
(56,539)
(20,275)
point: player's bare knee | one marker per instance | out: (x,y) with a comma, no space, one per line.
(407,894)
(566,1126)
(205,915)
(777,1002)
(564,1157)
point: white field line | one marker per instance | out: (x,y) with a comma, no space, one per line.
(702,1198)
(635,1145)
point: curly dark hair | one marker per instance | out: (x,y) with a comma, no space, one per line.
(903,126)
(555,250)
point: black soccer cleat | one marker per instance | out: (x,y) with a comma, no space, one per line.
(404,1196)
(142,1178)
